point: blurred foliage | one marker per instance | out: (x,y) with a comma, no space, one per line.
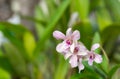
(23,56)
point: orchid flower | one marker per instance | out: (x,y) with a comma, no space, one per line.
(75,55)
(68,39)
(74,50)
(92,56)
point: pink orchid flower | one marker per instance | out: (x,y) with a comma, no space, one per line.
(75,55)
(92,56)
(69,38)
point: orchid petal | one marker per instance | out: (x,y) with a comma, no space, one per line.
(90,62)
(69,32)
(58,35)
(98,58)
(72,47)
(82,49)
(76,35)
(95,46)
(61,47)
(67,55)
(82,53)
(73,61)
(80,65)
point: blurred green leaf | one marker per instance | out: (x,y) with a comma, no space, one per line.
(51,5)
(113,70)
(112,30)
(86,33)
(51,25)
(100,72)
(16,59)
(29,43)
(62,69)
(4,74)
(15,41)
(13,33)
(105,61)
(15,28)
(6,65)
(83,76)
(94,5)
(96,38)
(103,18)
(1,54)
(114,8)
(40,16)
(82,7)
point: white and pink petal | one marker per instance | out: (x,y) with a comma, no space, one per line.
(95,46)
(90,62)
(67,55)
(69,32)
(61,47)
(58,35)
(98,58)
(80,65)
(76,35)
(73,61)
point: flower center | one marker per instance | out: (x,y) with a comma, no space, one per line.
(76,49)
(69,42)
(92,56)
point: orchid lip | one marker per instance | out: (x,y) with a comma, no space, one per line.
(76,49)
(69,42)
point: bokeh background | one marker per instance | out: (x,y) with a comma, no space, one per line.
(28,49)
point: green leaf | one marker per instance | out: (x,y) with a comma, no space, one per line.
(113,70)
(103,18)
(14,28)
(52,6)
(82,7)
(16,59)
(94,4)
(29,43)
(112,30)
(86,33)
(83,75)
(62,69)
(105,61)
(96,38)
(40,16)
(6,65)
(17,42)
(100,72)
(4,74)
(114,8)
(51,25)
(13,33)
(1,54)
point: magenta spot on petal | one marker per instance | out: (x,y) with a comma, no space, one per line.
(92,56)
(69,42)
(76,49)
